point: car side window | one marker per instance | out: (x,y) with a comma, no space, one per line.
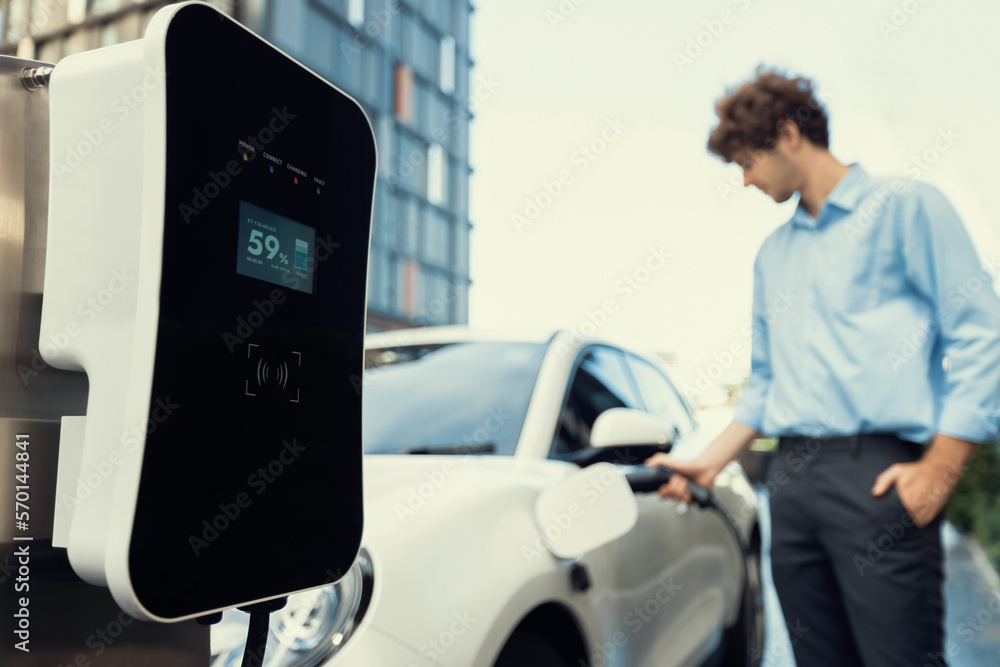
(599,383)
(659,395)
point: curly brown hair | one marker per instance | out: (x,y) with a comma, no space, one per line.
(750,116)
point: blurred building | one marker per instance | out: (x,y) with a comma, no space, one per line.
(406,61)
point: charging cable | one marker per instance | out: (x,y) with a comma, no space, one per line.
(649,480)
(260,623)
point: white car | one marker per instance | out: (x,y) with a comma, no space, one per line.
(472,440)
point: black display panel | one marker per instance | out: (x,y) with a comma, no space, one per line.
(251,479)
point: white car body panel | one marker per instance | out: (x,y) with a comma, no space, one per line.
(458,559)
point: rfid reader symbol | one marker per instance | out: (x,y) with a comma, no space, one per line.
(270,375)
(264,370)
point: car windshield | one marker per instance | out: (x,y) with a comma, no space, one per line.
(454,398)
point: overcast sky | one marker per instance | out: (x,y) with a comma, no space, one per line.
(590,163)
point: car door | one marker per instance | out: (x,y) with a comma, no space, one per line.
(712,573)
(648,585)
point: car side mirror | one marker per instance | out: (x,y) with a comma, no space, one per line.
(628,427)
(587,510)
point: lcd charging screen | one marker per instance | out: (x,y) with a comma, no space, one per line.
(274,248)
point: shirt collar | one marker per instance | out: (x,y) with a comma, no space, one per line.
(845,195)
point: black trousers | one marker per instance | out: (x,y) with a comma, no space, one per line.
(858,582)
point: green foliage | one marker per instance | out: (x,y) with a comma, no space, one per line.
(974,505)
(764,445)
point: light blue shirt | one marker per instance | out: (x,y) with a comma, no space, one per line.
(857,314)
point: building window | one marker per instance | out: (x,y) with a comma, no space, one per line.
(371,81)
(436,300)
(388,219)
(403,94)
(356,12)
(320,44)
(437,174)
(76,10)
(408,37)
(78,41)
(446,73)
(289,27)
(377,284)
(408,292)
(437,238)
(384,141)
(459,196)
(461,20)
(109,34)
(462,246)
(409,216)
(461,307)
(18,16)
(411,164)
(49,52)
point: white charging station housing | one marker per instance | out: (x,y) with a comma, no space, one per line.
(209,225)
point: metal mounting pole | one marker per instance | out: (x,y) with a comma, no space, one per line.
(70,622)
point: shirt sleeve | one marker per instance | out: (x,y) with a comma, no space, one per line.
(941,264)
(750,410)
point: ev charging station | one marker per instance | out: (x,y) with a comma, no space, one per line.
(208,228)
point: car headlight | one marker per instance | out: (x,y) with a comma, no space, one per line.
(310,628)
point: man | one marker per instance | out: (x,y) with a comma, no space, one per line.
(879,379)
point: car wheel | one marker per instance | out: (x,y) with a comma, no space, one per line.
(744,641)
(526,649)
